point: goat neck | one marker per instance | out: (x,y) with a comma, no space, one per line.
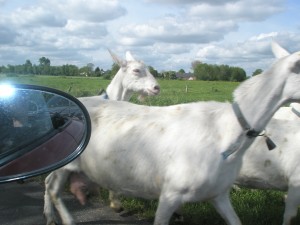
(258,100)
(116,91)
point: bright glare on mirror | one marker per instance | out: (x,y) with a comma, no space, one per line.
(6,90)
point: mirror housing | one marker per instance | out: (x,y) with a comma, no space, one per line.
(41,129)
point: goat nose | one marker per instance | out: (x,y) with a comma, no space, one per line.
(157,88)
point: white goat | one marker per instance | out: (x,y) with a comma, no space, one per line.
(132,77)
(277,169)
(293,111)
(182,153)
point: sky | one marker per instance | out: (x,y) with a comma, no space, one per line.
(165,34)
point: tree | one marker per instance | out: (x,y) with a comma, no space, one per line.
(99,72)
(173,75)
(68,70)
(195,64)
(205,71)
(169,75)
(257,71)
(201,71)
(44,65)
(90,67)
(107,74)
(11,68)
(87,70)
(19,69)
(114,69)
(224,72)
(238,74)
(181,71)
(28,67)
(44,61)
(153,71)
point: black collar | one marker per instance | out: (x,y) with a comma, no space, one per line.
(250,132)
(296,112)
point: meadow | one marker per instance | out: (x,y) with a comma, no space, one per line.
(172,91)
(254,207)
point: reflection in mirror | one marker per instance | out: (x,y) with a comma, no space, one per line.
(24,118)
(40,129)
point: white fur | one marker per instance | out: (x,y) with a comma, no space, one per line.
(174,153)
(132,77)
(279,51)
(286,113)
(277,169)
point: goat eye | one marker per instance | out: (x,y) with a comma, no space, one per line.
(136,71)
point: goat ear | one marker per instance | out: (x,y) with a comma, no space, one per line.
(115,58)
(279,51)
(129,57)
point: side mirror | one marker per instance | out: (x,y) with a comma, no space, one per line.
(41,129)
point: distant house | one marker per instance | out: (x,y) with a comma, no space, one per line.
(84,74)
(185,76)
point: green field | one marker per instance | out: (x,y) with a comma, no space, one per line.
(172,91)
(254,207)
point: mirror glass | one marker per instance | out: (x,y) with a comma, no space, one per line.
(41,129)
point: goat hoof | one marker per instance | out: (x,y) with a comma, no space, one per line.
(178,217)
(116,206)
(118,210)
(53,223)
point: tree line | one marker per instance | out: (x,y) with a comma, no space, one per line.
(211,72)
(44,68)
(201,71)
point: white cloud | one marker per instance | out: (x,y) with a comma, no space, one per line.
(171,48)
(238,52)
(174,30)
(49,27)
(134,41)
(7,35)
(264,36)
(250,54)
(213,2)
(35,16)
(166,34)
(92,11)
(201,22)
(87,29)
(246,10)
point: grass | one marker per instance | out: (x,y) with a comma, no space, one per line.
(76,86)
(254,207)
(176,92)
(172,91)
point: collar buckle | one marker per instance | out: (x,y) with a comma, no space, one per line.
(250,132)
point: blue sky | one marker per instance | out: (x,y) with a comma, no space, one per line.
(166,34)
